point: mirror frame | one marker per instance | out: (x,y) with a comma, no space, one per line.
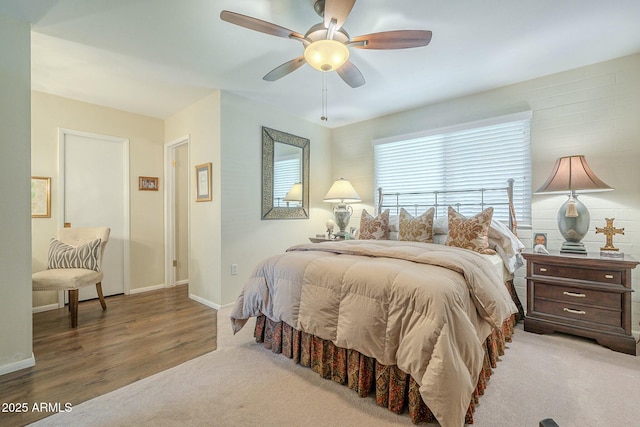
(269,138)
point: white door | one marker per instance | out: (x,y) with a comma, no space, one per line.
(177,212)
(181,209)
(94,193)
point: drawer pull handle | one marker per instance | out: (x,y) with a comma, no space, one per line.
(543,269)
(570,310)
(608,276)
(573,294)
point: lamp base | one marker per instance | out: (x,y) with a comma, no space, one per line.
(573,248)
(342,213)
(574,227)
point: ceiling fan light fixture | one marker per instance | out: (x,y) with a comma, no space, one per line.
(326,55)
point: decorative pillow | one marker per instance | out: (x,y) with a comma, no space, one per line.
(470,233)
(418,229)
(62,255)
(374,228)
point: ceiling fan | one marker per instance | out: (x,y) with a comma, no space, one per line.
(326,45)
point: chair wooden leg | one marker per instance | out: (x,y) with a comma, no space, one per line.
(99,289)
(73,306)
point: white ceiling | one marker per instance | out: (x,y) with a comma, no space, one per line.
(156,57)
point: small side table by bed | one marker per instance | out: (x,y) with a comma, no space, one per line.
(322,239)
(584,295)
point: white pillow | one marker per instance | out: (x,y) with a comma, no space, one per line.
(504,238)
(440,225)
(507,245)
(394,223)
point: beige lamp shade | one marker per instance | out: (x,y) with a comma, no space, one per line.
(295,194)
(342,192)
(572,173)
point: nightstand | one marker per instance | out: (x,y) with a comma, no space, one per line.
(323,239)
(583,295)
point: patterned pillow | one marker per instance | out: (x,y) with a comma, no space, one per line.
(418,229)
(470,233)
(62,255)
(374,228)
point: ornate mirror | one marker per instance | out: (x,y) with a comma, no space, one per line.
(285,175)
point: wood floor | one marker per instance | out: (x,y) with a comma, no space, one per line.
(137,336)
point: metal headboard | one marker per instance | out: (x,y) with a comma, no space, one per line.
(395,201)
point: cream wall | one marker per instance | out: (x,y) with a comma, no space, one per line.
(236,167)
(246,238)
(201,123)
(592,110)
(15,204)
(146,139)
(225,129)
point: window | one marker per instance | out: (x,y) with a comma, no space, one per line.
(476,155)
(286,172)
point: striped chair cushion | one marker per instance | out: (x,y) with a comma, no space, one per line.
(62,255)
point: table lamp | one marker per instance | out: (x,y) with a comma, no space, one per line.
(572,174)
(294,194)
(342,192)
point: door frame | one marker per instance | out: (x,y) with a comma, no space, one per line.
(169,207)
(62,133)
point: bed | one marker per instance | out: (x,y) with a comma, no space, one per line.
(419,323)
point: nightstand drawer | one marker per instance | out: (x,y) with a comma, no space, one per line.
(610,300)
(604,276)
(578,312)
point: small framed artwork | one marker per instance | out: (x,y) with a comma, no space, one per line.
(40,197)
(147,183)
(540,239)
(203,182)
(540,243)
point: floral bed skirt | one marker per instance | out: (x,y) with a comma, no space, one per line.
(394,389)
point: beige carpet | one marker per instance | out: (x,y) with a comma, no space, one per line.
(573,381)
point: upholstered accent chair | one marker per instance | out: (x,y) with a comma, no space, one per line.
(74,261)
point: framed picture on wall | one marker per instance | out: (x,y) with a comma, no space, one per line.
(40,197)
(540,243)
(540,239)
(148,183)
(203,182)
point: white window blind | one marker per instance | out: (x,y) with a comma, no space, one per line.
(477,155)
(286,172)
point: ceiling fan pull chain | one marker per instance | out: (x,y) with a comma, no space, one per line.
(324,98)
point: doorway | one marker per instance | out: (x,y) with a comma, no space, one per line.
(94,192)
(177,190)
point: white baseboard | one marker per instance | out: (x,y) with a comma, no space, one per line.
(47,307)
(56,306)
(146,289)
(16,366)
(205,302)
(182,282)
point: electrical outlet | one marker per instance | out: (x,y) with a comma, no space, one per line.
(234,269)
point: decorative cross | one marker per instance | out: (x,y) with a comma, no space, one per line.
(609,231)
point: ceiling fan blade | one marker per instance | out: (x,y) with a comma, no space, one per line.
(337,10)
(284,69)
(400,39)
(258,25)
(351,74)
